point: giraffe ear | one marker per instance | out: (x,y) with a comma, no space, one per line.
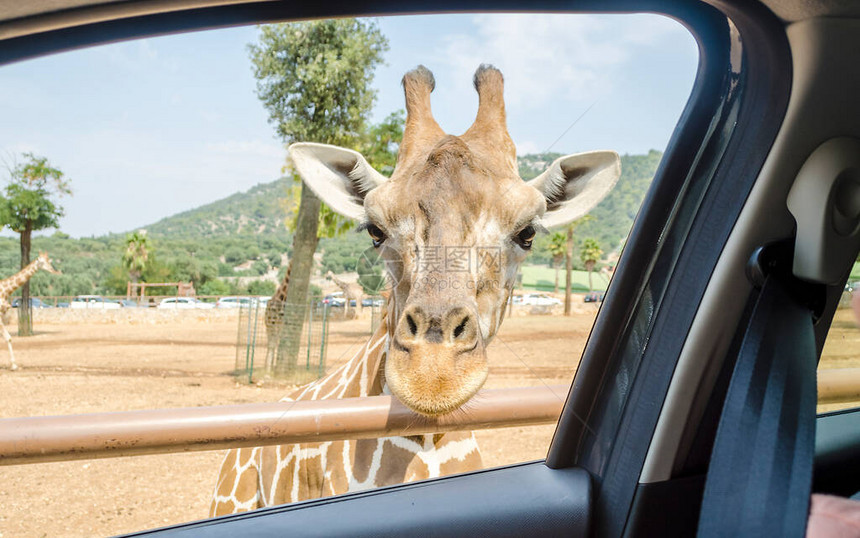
(574,184)
(340,177)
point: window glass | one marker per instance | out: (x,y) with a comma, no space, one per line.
(176,210)
(839,366)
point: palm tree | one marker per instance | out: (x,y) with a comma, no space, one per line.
(589,254)
(557,249)
(136,256)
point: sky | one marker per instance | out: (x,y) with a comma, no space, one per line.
(149,128)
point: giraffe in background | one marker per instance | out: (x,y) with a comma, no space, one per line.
(453,224)
(9,285)
(274,317)
(351,292)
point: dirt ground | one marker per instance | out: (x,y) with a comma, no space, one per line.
(118,361)
(110,361)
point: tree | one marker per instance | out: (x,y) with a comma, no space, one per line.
(135,259)
(314,80)
(191,269)
(261,287)
(379,145)
(381,142)
(557,249)
(31,204)
(589,253)
(568,256)
(214,287)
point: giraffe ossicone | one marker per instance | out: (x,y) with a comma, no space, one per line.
(453,224)
(9,285)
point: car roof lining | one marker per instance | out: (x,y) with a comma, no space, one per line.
(36,16)
(26,18)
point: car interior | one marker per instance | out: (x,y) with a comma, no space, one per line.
(693,409)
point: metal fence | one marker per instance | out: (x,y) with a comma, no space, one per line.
(292,342)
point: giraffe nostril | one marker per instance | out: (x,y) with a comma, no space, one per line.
(458,330)
(413,327)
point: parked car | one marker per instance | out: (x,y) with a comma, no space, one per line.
(334,299)
(35,302)
(593,297)
(232,302)
(367,301)
(128,303)
(183,303)
(84,302)
(539,299)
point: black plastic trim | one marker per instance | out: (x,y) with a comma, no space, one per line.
(523,500)
(669,508)
(837,453)
(194,19)
(645,238)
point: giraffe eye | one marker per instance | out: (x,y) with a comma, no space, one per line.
(525,237)
(376,234)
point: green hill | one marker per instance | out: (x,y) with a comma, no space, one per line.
(207,243)
(260,210)
(256,211)
(613,217)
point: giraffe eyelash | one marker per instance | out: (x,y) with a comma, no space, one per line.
(377,235)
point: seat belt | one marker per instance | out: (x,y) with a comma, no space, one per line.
(760,476)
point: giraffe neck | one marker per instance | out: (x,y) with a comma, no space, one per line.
(281,292)
(8,285)
(266,476)
(344,286)
(361,376)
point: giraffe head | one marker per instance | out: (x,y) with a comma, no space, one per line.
(44,262)
(453,224)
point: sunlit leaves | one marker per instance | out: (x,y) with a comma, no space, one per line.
(314,77)
(29,201)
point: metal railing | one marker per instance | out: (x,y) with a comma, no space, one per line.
(838,385)
(135,433)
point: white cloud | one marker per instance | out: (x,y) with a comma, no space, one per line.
(581,51)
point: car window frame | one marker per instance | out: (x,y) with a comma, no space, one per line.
(616,320)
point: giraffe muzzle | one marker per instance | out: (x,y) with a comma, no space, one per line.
(436,361)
